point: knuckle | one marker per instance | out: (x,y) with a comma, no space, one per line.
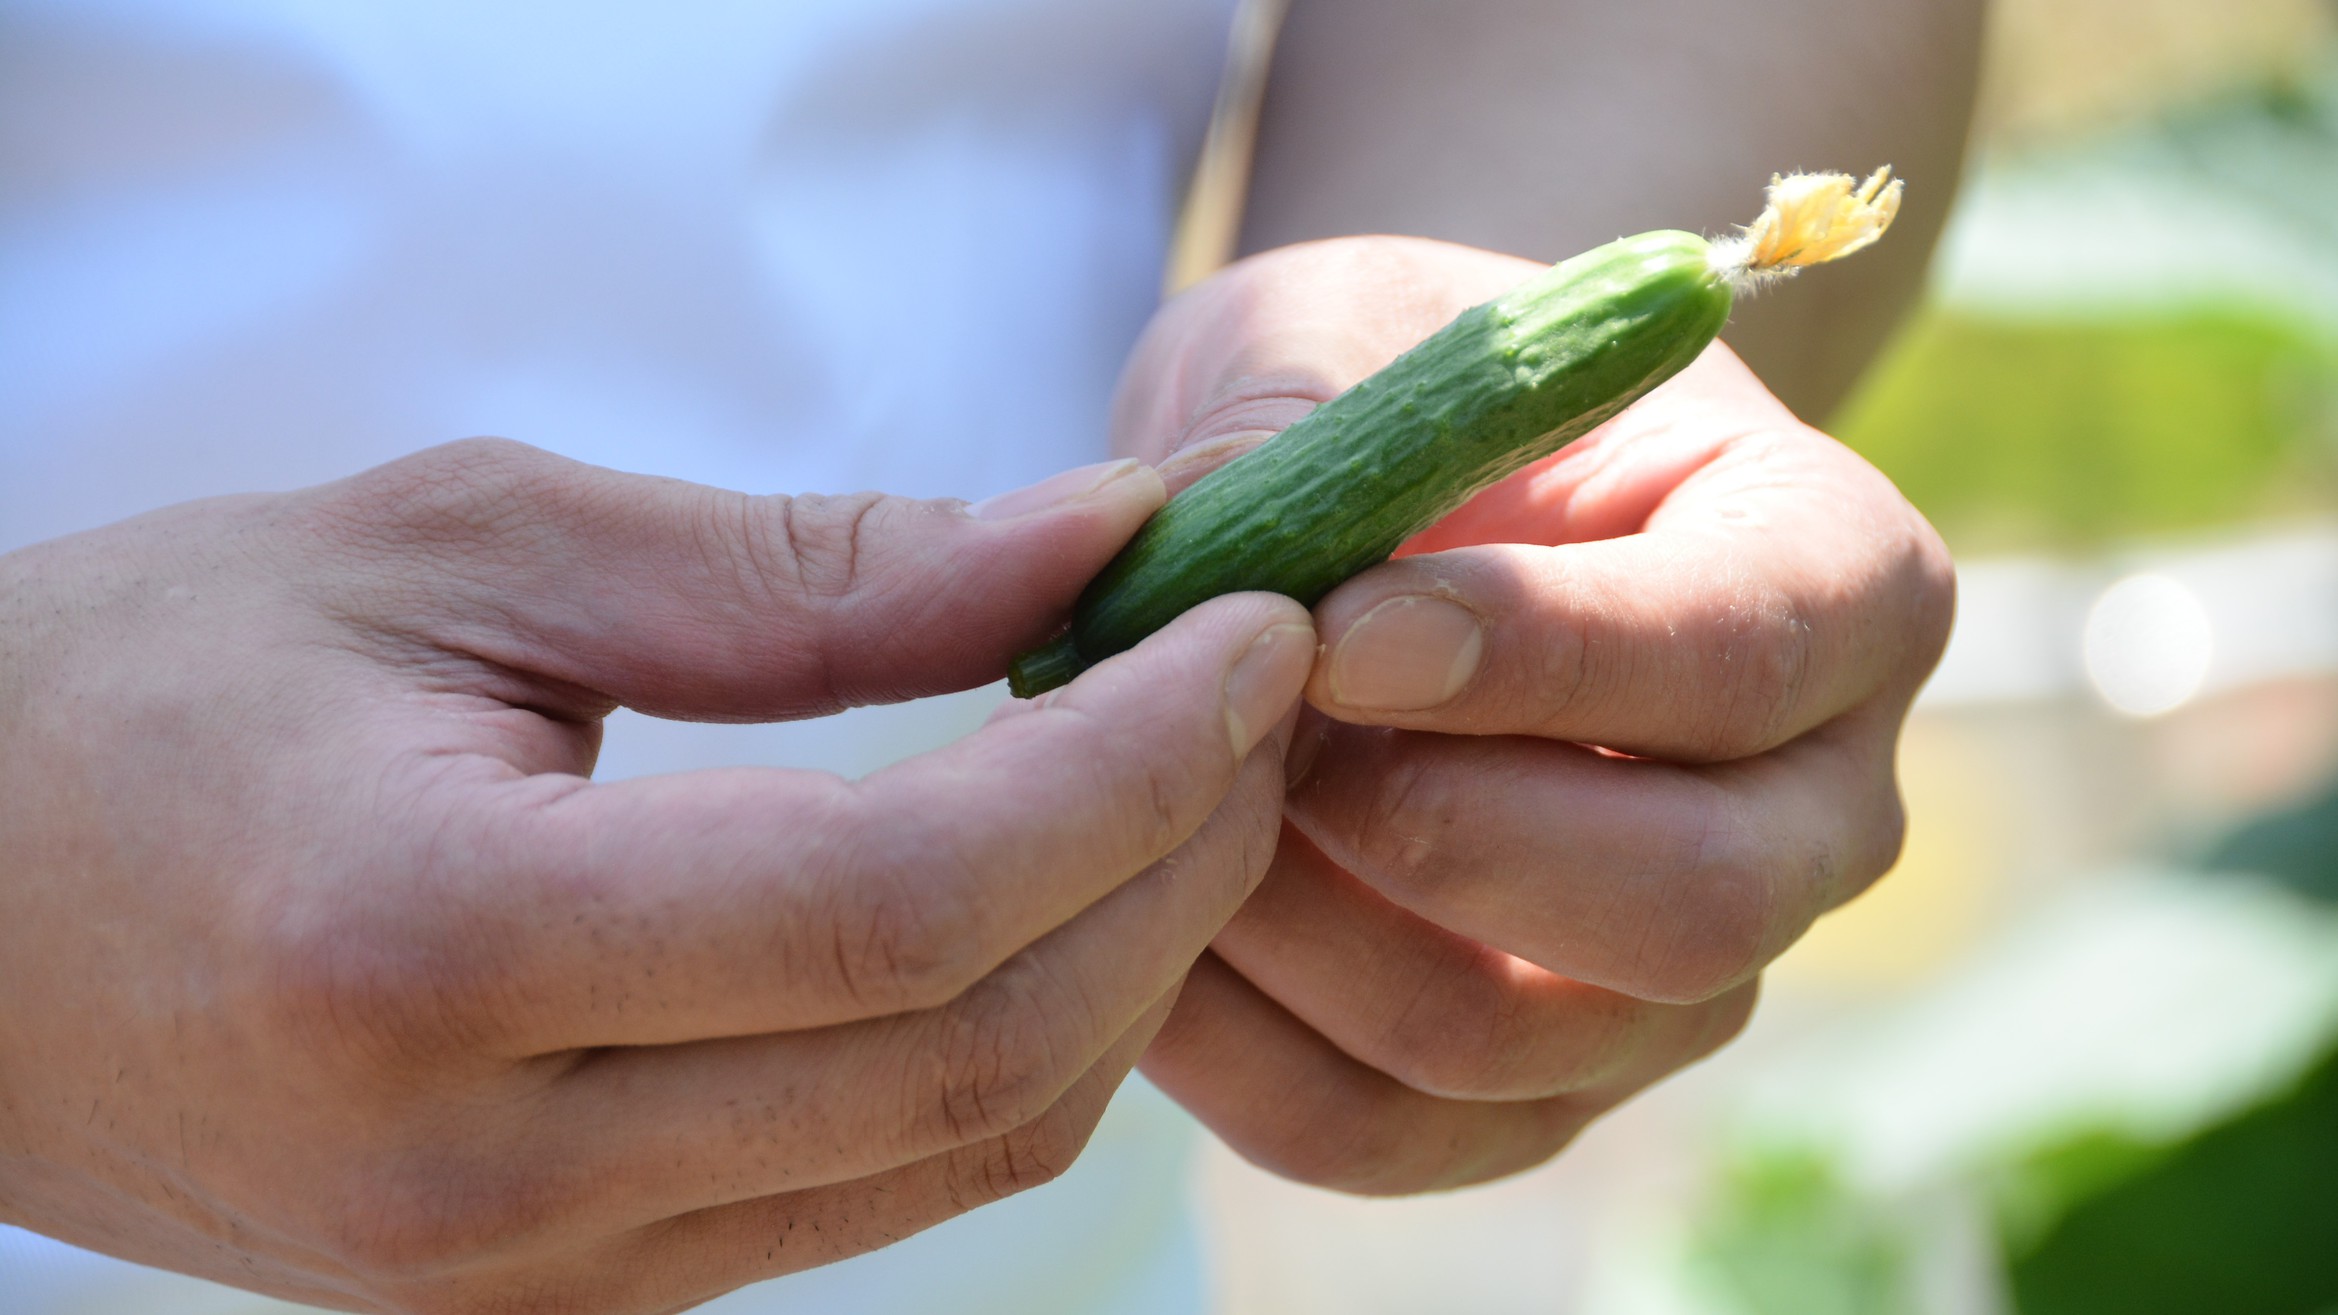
(1163,810)
(1458,1039)
(1874,850)
(1404,816)
(814,555)
(907,940)
(345,986)
(1711,926)
(1727,1024)
(1558,671)
(1351,1145)
(1157,806)
(1148,791)
(813,546)
(1029,1156)
(427,1213)
(1039,1153)
(1766,658)
(463,492)
(1154,792)
(1477,1036)
(1924,578)
(1260,837)
(998,1062)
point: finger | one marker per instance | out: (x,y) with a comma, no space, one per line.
(1441,1013)
(1289,1101)
(1660,881)
(688,601)
(649,1132)
(1693,642)
(1755,578)
(683,1260)
(1245,353)
(736,902)
(905,1201)
(1782,585)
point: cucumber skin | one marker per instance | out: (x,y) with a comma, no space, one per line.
(1504,385)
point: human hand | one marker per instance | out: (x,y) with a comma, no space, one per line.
(329,974)
(1480,932)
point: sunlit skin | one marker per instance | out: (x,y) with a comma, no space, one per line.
(334,978)
(1480,932)
(1363,1022)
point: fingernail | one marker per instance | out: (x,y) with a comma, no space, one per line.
(1408,653)
(1054,491)
(1187,465)
(1306,743)
(1265,680)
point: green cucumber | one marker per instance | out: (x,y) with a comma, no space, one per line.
(1502,386)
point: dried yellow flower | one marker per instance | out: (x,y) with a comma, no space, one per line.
(1810,219)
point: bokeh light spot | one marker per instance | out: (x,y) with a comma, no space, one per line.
(2148,643)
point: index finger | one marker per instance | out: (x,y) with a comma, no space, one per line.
(742,901)
(1780,583)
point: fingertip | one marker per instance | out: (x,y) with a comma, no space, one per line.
(1109,485)
(1410,638)
(1263,683)
(1135,494)
(1186,466)
(1408,653)
(1063,528)
(1309,728)
(1251,651)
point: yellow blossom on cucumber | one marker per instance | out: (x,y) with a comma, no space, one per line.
(1809,219)
(1502,386)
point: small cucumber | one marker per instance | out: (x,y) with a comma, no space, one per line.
(1501,387)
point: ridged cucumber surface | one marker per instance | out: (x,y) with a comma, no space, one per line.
(1502,386)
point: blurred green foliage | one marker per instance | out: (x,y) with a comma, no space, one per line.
(1788,1239)
(2150,347)
(2239,1220)
(2141,340)
(2014,435)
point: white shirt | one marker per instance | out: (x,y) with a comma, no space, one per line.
(777,245)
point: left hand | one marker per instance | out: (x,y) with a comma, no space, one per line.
(1586,756)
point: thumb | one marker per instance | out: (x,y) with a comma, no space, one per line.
(682,600)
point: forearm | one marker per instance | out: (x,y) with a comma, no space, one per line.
(1541,128)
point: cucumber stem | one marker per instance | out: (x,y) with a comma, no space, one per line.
(1046,667)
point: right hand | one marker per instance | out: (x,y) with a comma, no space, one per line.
(330,975)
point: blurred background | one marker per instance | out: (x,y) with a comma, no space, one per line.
(2076,1054)
(2079,1052)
